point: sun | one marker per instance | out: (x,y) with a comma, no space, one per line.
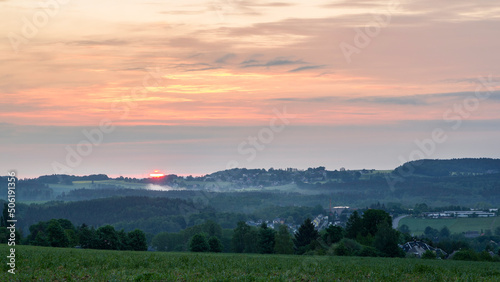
(156,174)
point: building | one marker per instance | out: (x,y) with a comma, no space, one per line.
(418,248)
(446,214)
(470,213)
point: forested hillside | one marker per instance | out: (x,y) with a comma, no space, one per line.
(435,182)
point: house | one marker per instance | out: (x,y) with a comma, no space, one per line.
(418,248)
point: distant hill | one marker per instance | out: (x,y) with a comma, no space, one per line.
(435,182)
(453,167)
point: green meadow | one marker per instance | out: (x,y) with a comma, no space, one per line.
(456,225)
(43,264)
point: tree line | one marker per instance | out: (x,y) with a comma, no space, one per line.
(63,234)
(368,235)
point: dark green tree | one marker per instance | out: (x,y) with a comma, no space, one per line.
(444,232)
(266,239)
(333,234)
(404,229)
(238,240)
(371,220)
(123,238)
(107,238)
(168,242)
(284,242)
(87,237)
(215,245)
(5,215)
(251,241)
(72,237)
(431,232)
(56,235)
(198,243)
(41,240)
(34,230)
(386,241)
(66,224)
(137,240)
(4,235)
(354,226)
(305,236)
(212,228)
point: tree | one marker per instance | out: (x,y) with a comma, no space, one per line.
(124,243)
(251,241)
(107,238)
(306,235)
(66,224)
(87,237)
(404,229)
(4,235)
(238,240)
(212,228)
(354,226)
(56,236)
(333,234)
(266,239)
(318,209)
(215,245)
(165,241)
(199,243)
(137,240)
(371,220)
(283,241)
(431,232)
(41,240)
(444,233)
(72,237)
(386,241)
(5,215)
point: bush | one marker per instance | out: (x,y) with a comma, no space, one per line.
(485,256)
(429,255)
(346,247)
(467,254)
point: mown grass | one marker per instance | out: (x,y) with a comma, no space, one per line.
(39,263)
(456,225)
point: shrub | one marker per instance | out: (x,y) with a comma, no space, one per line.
(429,255)
(467,254)
(346,247)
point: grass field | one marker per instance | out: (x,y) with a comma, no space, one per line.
(456,225)
(38,263)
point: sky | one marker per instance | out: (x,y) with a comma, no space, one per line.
(193,87)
